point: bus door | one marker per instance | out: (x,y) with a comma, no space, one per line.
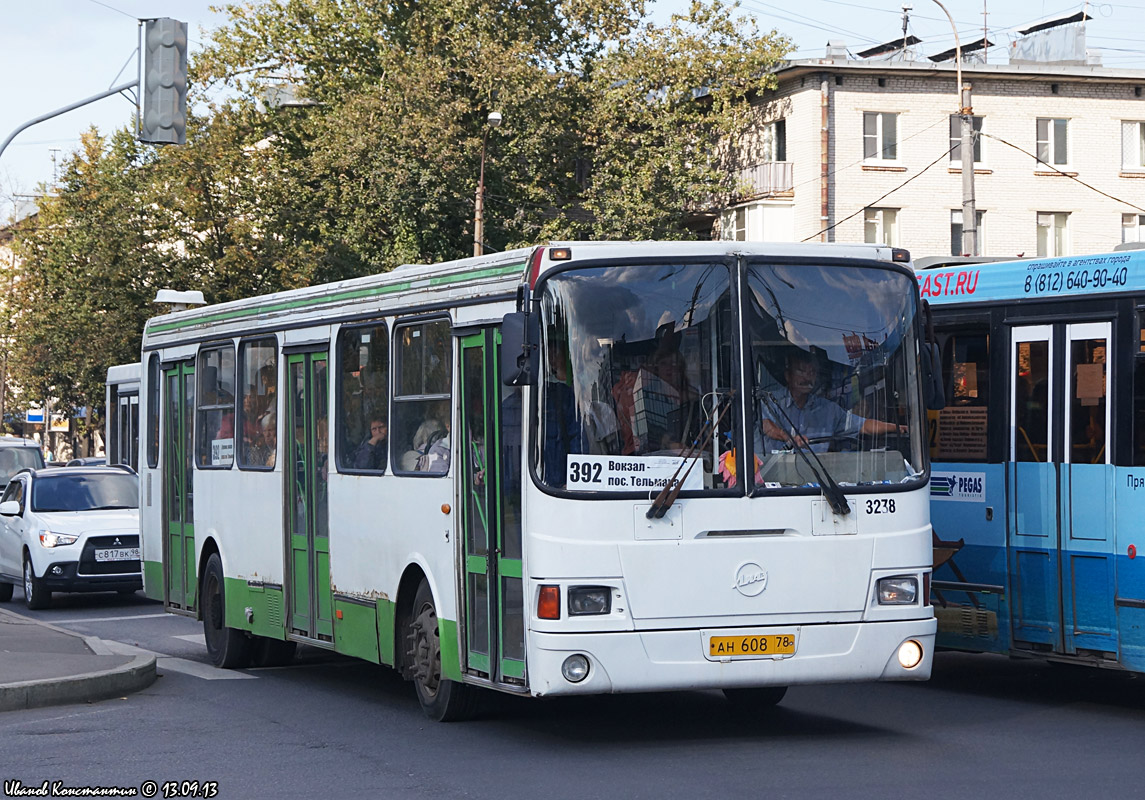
(310,598)
(178,486)
(489,448)
(1033,492)
(1087,514)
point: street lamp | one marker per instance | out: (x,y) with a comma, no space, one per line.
(492,121)
(965,113)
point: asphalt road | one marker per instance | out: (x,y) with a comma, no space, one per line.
(331,727)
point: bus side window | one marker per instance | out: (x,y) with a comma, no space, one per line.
(215,417)
(960,432)
(258,366)
(423,374)
(363,398)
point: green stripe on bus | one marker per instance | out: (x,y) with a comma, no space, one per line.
(386,613)
(356,632)
(153,580)
(450,659)
(350,294)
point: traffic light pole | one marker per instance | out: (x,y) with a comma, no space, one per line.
(123,87)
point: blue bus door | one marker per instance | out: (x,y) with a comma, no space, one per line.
(1087,507)
(1032,490)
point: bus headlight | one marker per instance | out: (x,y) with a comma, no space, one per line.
(575,668)
(901,590)
(584,600)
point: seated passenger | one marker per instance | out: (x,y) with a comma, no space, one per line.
(371,453)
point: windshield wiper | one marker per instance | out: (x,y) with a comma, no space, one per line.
(691,454)
(831,490)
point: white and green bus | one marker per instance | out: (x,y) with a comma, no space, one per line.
(547,471)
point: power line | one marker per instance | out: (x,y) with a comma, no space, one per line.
(1060,172)
(883,197)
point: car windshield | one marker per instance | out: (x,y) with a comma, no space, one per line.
(14,459)
(638,366)
(833,350)
(85,492)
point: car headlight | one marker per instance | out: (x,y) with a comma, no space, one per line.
(49,539)
(901,590)
(584,600)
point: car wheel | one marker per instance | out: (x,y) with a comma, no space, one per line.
(6,592)
(226,647)
(36,595)
(441,699)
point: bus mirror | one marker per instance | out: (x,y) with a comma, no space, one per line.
(933,393)
(519,361)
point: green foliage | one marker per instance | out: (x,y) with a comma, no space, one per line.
(613,128)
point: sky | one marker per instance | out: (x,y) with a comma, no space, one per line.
(56,52)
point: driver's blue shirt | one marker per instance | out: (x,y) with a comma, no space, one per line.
(819,418)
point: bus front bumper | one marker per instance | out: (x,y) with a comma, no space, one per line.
(648,661)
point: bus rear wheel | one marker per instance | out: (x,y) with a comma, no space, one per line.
(226,647)
(441,699)
(272,652)
(756,699)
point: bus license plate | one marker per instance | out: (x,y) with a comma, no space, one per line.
(754,645)
(118,554)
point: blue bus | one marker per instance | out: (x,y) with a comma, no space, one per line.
(1038,480)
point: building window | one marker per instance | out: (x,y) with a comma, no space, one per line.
(880,226)
(733,224)
(1133,227)
(1053,143)
(956,233)
(215,417)
(1133,145)
(423,377)
(880,136)
(258,410)
(956,138)
(773,141)
(1053,234)
(363,398)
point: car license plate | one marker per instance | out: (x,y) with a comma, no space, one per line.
(118,554)
(752,645)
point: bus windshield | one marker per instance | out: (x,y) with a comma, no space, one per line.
(638,364)
(832,351)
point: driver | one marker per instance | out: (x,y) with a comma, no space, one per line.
(811,416)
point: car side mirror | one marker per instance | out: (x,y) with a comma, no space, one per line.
(10,508)
(520,337)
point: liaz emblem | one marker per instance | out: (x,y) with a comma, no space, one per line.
(751,579)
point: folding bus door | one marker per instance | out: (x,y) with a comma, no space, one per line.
(310,597)
(490,450)
(1033,491)
(1087,508)
(178,486)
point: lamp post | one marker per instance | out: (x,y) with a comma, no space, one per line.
(966,113)
(492,121)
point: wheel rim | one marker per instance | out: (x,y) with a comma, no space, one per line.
(27,580)
(427,651)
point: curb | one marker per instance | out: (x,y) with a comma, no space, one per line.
(137,674)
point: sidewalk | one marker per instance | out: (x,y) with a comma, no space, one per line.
(42,665)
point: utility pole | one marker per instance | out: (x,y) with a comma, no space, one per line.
(966,145)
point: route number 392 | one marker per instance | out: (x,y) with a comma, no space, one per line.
(881,505)
(584,472)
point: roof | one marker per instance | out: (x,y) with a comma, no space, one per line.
(1028,72)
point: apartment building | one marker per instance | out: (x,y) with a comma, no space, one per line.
(855,150)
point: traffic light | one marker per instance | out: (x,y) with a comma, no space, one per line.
(164,87)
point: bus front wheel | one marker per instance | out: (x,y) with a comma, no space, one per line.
(226,647)
(441,699)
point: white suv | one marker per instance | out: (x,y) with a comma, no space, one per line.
(70,529)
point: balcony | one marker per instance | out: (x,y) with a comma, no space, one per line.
(767,179)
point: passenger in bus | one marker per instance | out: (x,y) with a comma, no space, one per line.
(437,456)
(795,415)
(371,453)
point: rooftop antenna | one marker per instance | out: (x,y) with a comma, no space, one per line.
(906,9)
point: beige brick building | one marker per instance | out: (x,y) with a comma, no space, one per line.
(838,140)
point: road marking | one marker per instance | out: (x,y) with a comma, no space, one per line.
(81,620)
(193,638)
(183,665)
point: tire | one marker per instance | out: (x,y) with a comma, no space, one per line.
(272,652)
(36,595)
(226,647)
(441,699)
(6,592)
(756,700)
